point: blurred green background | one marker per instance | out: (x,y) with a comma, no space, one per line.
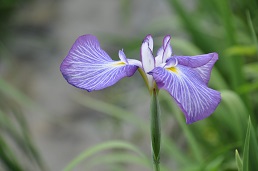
(46,124)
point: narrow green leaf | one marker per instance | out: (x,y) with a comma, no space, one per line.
(246,147)
(8,158)
(251,70)
(99,148)
(239,161)
(227,20)
(248,88)
(120,113)
(215,164)
(232,115)
(22,139)
(217,81)
(253,148)
(240,50)
(185,46)
(191,24)
(15,94)
(107,108)
(250,156)
(250,24)
(118,157)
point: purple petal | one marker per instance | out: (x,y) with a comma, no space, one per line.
(167,48)
(186,86)
(200,63)
(165,51)
(122,56)
(149,40)
(148,62)
(147,58)
(88,67)
(160,51)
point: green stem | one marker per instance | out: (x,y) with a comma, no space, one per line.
(155,129)
(144,76)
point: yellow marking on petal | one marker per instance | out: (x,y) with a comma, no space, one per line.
(173,69)
(120,63)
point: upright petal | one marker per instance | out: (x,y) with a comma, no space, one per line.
(148,62)
(186,86)
(167,48)
(122,56)
(164,52)
(200,63)
(149,40)
(89,67)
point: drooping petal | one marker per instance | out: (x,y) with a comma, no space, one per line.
(134,62)
(200,63)
(89,67)
(186,86)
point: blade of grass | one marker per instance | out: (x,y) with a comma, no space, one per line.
(246,147)
(121,158)
(253,147)
(217,81)
(115,111)
(243,50)
(99,148)
(11,91)
(232,112)
(20,136)
(251,27)
(8,158)
(227,20)
(239,161)
(191,24)
(118,157)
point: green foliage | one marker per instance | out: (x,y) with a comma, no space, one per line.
(250,155)
(239,161)
(14,131)
(105,146)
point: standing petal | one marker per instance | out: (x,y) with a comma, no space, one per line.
(200,63)
(122,56)
(186,86)
(89,67)
(167,48)
(148,62)
(164,52)
(149,40)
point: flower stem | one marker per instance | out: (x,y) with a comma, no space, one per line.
(144,76)
(155,129)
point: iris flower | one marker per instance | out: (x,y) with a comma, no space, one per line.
(185,78)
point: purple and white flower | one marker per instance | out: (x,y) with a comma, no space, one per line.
(185,78)
(89,67)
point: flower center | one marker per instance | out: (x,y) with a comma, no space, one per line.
(120,63)
(173,69)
